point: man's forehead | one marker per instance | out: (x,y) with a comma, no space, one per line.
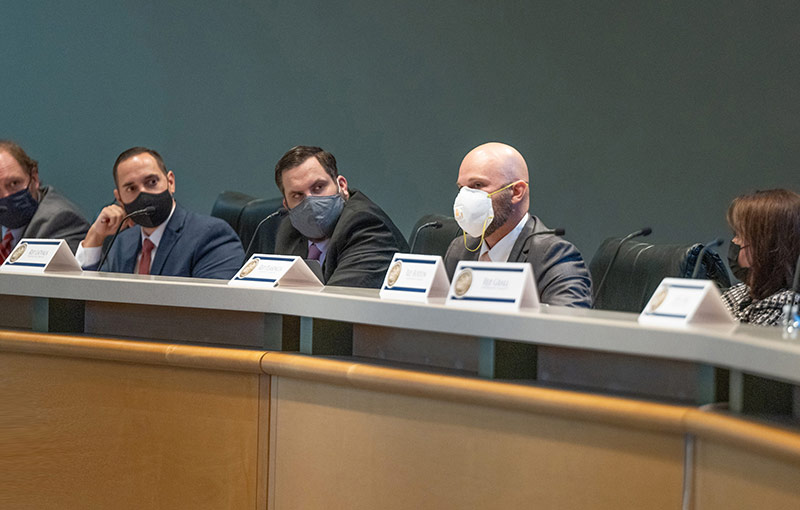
(307,172)
(9,164)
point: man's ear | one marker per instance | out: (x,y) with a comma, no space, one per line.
(285,206)
(343,186)
(520,189)
(171,182)
(116,196)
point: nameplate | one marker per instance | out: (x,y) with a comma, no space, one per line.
(493,286)
(263,270)
(415,278)
(680,301)
(40,255)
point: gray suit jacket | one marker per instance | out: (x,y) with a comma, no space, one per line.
(57,218)
(558,268)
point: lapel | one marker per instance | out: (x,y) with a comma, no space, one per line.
(128,247)
(171,236)
(519,253)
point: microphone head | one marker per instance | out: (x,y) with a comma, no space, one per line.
(646,231)
(437,224)
(150,209)
(3,209)
(559,231)
(716,242)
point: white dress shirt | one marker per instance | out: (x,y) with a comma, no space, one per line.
(502,248)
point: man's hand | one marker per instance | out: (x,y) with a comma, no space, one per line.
(105,225)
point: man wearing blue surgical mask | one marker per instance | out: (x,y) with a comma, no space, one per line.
(492,210)
(30,210)
(168,240)
(350,236)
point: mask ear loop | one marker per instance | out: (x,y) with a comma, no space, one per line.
(483,231)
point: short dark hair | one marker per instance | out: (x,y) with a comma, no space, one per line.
(135,151)
(769,223)
(27,163)
(296,156)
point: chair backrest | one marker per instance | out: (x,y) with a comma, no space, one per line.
(434,241)
(244,212)
(640,267)
(229,206)
(253,213)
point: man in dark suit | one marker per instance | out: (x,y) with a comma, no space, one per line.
(169,240)
(30,210)
(492,209)
(351,237)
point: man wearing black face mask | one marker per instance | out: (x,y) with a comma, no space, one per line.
(170,240)
(29,210)
(351,237)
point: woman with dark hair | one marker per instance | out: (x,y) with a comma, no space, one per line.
(763,255)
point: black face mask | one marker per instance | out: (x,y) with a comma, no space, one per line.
(17,209)
(162,203)
(733,262)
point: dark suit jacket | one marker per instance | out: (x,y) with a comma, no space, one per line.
(558,268)
(193,245)
(57,218)
(359,250)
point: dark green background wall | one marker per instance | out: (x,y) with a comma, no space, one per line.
(629,113)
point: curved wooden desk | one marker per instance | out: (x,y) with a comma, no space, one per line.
(97,423)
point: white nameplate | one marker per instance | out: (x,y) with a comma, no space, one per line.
(681,301)
(40,255)
(493,285)
(415,278)
(263,270)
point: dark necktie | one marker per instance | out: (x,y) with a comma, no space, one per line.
(144,263)
(5,246)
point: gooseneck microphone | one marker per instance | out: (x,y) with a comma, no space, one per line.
(646,231)
(430,224)
(278,212)
(3,209)
(713,244)
(147,211)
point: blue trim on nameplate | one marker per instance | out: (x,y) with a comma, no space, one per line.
(246,279)
(671,315)
(282,259)
(505,269)
(404,289)
(29,264)
(417,261)
(684,286)
(487,299)
(52,243)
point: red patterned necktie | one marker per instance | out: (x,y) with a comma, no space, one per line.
(5,246)
(144,263)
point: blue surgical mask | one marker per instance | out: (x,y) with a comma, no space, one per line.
(316,217)
(17,209)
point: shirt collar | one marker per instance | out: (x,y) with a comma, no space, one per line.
(502,248)
(16,232)
(158,233)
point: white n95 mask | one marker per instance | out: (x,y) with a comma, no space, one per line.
(473,211)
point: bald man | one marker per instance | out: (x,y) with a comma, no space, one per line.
(492,209)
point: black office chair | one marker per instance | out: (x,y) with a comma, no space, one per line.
(244,212)
(434,241)
(229,206)
(640,267)
(253,213)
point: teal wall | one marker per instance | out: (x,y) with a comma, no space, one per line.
(629,113)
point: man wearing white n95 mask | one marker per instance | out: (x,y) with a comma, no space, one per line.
(492,209)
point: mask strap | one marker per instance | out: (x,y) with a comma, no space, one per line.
(501,189)
(483,231)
